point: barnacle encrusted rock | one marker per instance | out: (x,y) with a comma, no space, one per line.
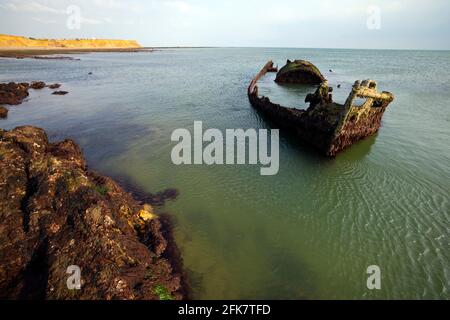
(54,214)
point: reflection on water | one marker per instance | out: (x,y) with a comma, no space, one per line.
(312,230)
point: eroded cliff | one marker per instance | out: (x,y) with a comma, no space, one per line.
(9,41)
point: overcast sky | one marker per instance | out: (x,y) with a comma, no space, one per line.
(380,24)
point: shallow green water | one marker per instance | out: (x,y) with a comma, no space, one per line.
(312,230)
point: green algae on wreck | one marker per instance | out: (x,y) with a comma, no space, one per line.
(299,72)
(328,126)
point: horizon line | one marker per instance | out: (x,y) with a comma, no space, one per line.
(281,47)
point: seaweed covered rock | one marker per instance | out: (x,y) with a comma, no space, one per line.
(55,214)
(13,93)
(60,93)
(300,72)
(3,112)
(37,85)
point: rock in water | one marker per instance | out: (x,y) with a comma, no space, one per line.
(54,214)
(37,85)
(54,86)
(60,93)
(3,112)
(13,93)
(300,72)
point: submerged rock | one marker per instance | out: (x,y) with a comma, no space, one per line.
(53,58)
(54,86)
(54,214)
(60,93)
(37,85)
(156,199)
(3,112)
(299,72)
(326,125)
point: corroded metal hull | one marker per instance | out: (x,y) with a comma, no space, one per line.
(328,126)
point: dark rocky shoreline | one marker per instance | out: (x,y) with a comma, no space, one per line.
(56,213)
(53,53)
(15,93)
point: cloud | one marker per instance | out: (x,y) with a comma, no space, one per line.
(44,10)
(133,6)
(323,10)
(180,6)
(45,21)
(411,23)
(33,6)
(91,21)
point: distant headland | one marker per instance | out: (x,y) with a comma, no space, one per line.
(9,41)
(23,47)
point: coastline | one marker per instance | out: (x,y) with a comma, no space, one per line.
(64,215)
(113,134)
(24,53)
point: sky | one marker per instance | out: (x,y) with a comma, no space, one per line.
(366,24)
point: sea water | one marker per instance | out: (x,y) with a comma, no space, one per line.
(312,230)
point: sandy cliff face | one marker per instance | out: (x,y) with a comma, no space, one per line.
(7,41)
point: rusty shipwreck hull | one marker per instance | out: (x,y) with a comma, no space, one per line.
(328,126)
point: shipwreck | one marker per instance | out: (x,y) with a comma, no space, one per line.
(328,126)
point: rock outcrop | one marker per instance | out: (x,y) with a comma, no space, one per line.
(55,213)
(299,72)
(37,85)
(328,126)
(13,93)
